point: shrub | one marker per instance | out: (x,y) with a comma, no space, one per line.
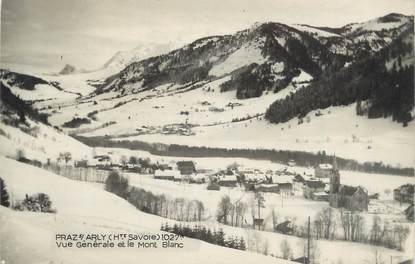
(4,195)
(39,202)
(76,122)
(117,184)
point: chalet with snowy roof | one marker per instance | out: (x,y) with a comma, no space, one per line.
(404,194)
(311,187)
(197,178)
(167,174)
(344,196)
(102,161)
(272,188)
(186,167)
(227,179)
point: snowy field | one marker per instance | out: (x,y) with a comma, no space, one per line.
(82,208)
(85,208)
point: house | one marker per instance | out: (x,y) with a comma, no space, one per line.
(286,188)
(291,163)
(81,163)
(313,186)
(197,178)
(166,174)
(344,196)
(320,196)
(227,179)
(323,171)
(186,167)
(404,193)
(133,167)
(272,188)
(253,175)
(102,161)
(351,198)
(299,178)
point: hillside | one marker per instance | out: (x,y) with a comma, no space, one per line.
(281,82)
(83,208)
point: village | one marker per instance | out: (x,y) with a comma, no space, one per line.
(324,185)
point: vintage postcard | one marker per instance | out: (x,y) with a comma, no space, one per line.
(207,131)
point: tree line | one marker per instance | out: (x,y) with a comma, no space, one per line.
(302,158)
(216,237)
(179,209)
(329,224)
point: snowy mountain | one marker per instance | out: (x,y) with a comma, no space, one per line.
(272,53)
(263,58)
(121,59)
(268,78)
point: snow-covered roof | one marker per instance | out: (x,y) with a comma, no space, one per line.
(325,166)
(173,173)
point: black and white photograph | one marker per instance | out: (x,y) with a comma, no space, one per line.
(207,131)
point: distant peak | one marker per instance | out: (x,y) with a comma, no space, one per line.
(68,69)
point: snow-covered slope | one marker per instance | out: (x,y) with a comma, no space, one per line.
(85,208)
(41,142)
(82,208)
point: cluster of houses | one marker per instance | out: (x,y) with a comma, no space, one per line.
(323,186)
(326,186)
(183,171)
(105,162)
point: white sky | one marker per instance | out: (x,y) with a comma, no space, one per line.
(88,32)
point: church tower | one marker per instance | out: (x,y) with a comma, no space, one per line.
(334,178)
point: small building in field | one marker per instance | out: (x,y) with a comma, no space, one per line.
(313,186)
(404,193)
(323,170)
(409,213)
(186,167)
(300,260)
(284,228)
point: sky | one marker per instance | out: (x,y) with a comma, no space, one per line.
(86,33)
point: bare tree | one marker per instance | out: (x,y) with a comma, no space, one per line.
(224,209)
(325,224)
(285,249)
